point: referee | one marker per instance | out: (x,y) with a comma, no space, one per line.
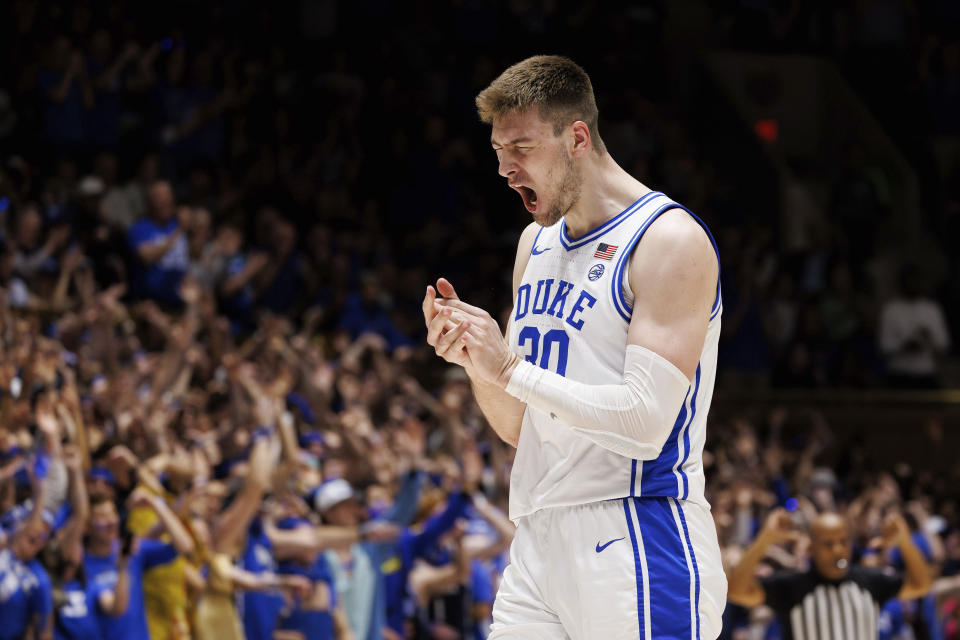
(832,600)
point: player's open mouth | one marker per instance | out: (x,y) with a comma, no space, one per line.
(529,198)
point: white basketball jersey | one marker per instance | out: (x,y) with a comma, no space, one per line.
(570,316)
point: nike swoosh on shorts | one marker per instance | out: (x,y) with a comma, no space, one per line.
(601,548)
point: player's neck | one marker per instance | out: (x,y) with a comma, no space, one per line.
(607,190)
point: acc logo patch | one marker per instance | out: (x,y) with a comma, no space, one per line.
(595,272)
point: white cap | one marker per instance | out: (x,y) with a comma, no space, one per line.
(90,186)
(332,493)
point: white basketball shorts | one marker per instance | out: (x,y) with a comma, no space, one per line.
(644,568)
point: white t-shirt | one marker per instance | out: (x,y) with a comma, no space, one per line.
(904,320)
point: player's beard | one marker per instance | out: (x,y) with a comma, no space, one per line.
(568,193)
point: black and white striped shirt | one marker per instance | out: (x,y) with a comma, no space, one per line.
(810,607)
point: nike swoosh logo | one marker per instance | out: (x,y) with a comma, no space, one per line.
(599,548)
(536,253)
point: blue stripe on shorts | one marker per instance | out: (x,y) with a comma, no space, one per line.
(672,614)
(636,560)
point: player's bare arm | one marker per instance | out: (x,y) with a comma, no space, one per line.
(503,411)
(673,277)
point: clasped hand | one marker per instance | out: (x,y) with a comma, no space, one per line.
(466,335)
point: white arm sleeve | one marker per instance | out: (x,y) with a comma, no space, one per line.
(632,419)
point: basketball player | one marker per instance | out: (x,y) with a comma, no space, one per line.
(603,381)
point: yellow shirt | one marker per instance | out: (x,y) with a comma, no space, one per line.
(164,587)
(216,614)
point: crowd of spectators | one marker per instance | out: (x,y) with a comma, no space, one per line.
(792,460)
(214,415)
(154,468)
(217,415)
(271,127)
(823,316)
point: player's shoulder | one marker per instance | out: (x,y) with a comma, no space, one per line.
(529,234)
(527,238)
(675,240)
(676,229)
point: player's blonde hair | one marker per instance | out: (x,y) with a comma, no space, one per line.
(556,86)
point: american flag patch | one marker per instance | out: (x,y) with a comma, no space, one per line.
(605,251)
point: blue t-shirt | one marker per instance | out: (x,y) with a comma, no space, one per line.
(102,576)
(481,581)
(25,595)
(411,546)
(287,286)
(313,624)
(239,306)
(63,121)
(102,121)
(161,280)
(927,605)
(260,609)
(482,590)
(76,619)
(359,318)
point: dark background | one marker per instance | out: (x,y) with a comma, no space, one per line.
(356,122)
(337,144)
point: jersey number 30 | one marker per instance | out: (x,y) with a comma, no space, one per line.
(540,350)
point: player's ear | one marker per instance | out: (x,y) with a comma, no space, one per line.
(581,138)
